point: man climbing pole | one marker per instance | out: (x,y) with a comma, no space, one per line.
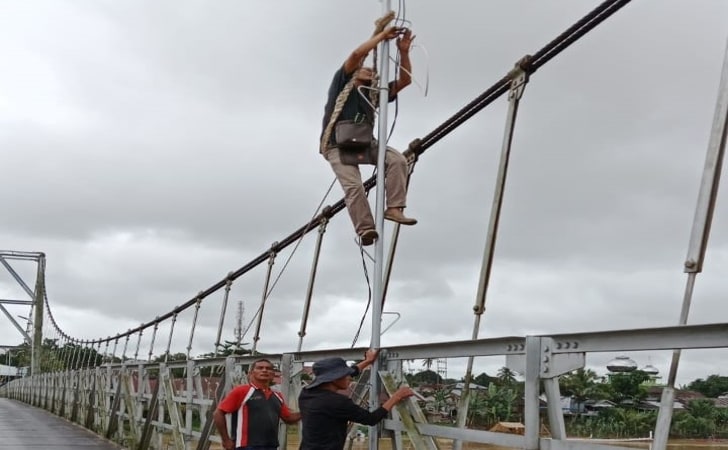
(346,138)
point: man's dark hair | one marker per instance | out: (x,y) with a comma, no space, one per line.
(254,363)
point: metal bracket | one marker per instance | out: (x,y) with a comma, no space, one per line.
(555,364)
(519,76)
(552,364)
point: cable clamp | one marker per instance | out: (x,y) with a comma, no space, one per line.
(519,76)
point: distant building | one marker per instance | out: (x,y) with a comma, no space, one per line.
(653,373)
(621,364)
(9,371)
(625,364)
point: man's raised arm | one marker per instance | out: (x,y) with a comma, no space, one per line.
(355,60)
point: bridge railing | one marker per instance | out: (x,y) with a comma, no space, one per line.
(157,406)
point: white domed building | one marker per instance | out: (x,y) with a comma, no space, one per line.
(621,364)
(625,364)
(653,373)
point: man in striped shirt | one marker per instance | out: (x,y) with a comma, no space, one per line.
(254,409)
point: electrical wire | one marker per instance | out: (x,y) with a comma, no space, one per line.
(369,297)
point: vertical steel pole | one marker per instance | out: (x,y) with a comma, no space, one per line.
(531,414)
(87,356)
(271,261)
(379,216)
(126,344)
(154,337)
(194,325)
(113,352)
(519,78)
(98,359)
(105,358)
(68,354)
(138,344)
(223,310)
(169,340)
(39,299)
(76,346)
(698,241)
(311,281)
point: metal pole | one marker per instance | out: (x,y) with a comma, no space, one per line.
(223,310)
(86,354)
(154,337)
(105,358)
(98,359)
(194,325)
(113,352)
(126,344)
(379,219)
(519,78)
(76,355)
(271,261)
(311,281)
(169,341)
(531,413)
(38,317)
(698,241)
(138,344)
(68,354)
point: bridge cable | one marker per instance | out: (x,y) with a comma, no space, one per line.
(418,146)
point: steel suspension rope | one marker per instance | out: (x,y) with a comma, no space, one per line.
(541,57)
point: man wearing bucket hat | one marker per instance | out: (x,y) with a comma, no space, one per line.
(325,413)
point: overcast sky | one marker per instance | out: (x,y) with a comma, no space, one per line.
(149,148)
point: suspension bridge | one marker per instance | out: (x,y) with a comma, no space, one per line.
(133,389)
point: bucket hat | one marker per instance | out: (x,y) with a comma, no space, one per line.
(330,369)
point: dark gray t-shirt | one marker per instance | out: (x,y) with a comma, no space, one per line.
(355,107)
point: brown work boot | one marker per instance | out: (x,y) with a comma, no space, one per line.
(368,237)
(396,215)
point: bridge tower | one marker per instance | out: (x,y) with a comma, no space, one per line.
(32,334)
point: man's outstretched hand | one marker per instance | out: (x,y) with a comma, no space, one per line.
(393,32)
(371,355)
(405,40)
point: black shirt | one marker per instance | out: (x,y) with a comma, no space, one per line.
(355,107)
(325,415)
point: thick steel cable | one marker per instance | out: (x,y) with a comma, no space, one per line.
(541,57)
(418,146)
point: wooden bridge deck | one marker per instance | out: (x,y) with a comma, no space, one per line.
(27,427)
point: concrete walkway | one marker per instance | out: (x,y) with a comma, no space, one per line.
(26,427)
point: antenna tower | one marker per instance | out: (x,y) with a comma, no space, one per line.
(238,331)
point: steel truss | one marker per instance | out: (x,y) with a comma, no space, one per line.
(33,332)
(150,405)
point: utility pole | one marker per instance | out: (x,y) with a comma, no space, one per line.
(379,219)
(238,331)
